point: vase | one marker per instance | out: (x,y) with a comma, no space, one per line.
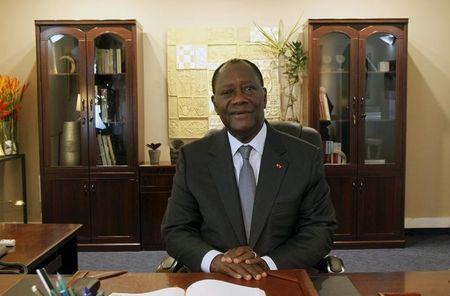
(9,137)
(154,156)
(289,93)
(70,144)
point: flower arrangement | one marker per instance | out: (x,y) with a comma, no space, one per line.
(292,63)
(11,94)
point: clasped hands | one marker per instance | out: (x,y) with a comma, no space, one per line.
(241,262)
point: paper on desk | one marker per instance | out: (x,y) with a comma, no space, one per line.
(203,288)
(162,292)
(221,288)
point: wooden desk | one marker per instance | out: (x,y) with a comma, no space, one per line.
(53,246)
(144,282)
(427,283)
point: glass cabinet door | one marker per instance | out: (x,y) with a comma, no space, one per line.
(110,98)
(379,101)
(64,104)
(335,97)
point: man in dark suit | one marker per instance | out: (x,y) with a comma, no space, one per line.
(243,213)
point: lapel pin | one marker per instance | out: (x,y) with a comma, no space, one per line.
(279,165)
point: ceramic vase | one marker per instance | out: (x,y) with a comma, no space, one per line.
(154,156)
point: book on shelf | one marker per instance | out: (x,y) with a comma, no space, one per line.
(333,153)
(324,107)
(108,61)
(202,288)
(107,140)
(106,149)
(101,149)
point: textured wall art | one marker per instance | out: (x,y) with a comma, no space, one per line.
(192,56)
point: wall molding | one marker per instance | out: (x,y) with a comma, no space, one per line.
(427,222)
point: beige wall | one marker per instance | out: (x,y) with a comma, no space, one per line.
(428,136)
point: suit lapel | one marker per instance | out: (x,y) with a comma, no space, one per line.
(272,170)
(222,170)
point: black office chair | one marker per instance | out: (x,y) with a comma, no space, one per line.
(328,264)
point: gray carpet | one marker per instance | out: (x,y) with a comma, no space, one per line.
(422,252)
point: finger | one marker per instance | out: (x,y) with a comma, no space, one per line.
(238,268)
(253,260)
(226,269)
(262,265)
(234,253)
(255,270)
(249,254)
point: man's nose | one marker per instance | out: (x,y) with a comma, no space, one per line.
(239,97)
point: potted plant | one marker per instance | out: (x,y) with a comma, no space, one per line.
(292,64)
(154,153)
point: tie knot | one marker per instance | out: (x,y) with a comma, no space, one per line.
(245,151)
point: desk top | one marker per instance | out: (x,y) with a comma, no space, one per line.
(427,283)
(295,282)
(35,241)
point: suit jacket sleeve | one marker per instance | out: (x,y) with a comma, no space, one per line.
(182,222)
(313,236)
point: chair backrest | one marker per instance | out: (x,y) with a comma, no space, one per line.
(305,133)
(295,129)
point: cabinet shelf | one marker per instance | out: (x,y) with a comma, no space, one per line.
(380,72)
(334,72)
(63,74)
(110,74)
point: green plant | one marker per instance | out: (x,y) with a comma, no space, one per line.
(292,51)
(153,146)
(292,64)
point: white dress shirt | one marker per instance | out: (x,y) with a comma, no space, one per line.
(255,160)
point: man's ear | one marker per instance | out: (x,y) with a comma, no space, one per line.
(265,97)
(214,103)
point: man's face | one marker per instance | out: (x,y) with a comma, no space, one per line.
(240,100)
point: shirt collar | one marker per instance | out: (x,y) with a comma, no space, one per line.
(257,142)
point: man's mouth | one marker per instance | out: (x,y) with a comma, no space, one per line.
(240,112)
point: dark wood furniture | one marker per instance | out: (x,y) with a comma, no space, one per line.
(53,246)
(89,84)
(427,283)
(23,202)
(155,188)
(357,100)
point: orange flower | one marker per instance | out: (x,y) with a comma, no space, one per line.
(11,94)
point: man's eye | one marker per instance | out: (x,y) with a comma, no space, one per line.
(249,88)
(226,92)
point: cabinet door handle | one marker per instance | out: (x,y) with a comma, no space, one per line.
(93,188)
(91,103)
(354,185)
(85,188)
(362,111)
(354,101)
(361,186)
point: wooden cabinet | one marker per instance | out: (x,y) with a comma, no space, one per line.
(88,126)
(357,100)
(155,189)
